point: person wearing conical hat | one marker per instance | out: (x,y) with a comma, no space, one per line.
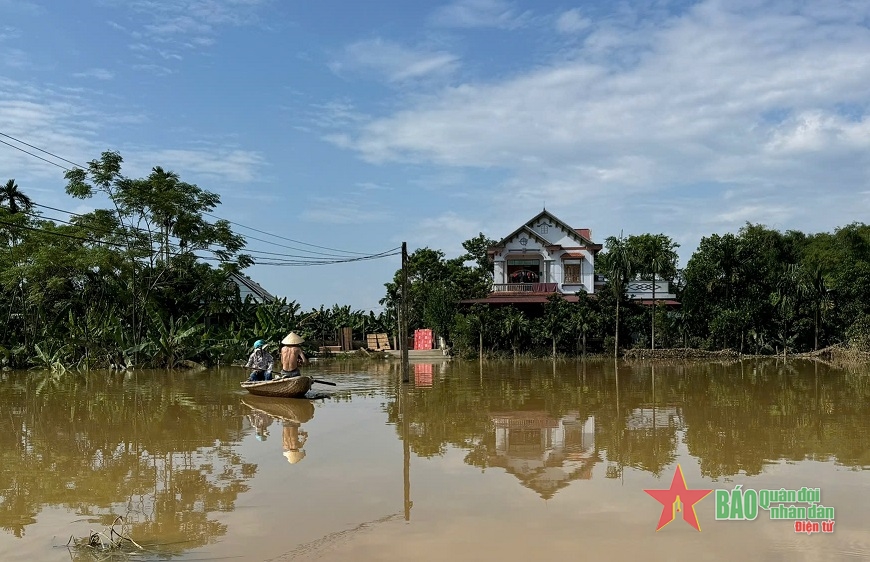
(292,356)
(294,440)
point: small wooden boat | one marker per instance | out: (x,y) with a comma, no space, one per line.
(288,387)
(292,410)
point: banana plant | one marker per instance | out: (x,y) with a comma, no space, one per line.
(175,340)
(46,357)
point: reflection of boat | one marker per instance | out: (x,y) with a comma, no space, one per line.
(298,411)
(289,387)
(293,412)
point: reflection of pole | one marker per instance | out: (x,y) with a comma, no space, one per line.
(655,432)
(403,329)
(616,370)
(407,452)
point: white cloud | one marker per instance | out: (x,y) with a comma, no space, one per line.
(15,58)
(395,62)
(433,231)
(21,6)
(158,26)
(232,165)
(344,210)
(58,123)
(480,13)
(571,21)
(8,32)
(686,124)
(98,73)
(692,106)
(372,186)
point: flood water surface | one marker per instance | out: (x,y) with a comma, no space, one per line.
(466,461)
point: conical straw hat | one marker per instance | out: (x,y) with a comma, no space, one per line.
(294,456)
(293,339)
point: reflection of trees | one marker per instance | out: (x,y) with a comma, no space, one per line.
(458,410)
(772,411)
(156,447)
(733,417)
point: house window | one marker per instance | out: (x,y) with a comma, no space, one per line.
(571,272)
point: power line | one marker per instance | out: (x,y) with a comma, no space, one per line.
(152,251)
(41,150)
(204,213)
(142,230)
(285,238)
(34,155)
(96,241)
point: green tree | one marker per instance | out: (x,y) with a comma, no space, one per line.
(555,320)
(514,327)
(618,265)
(14,199)
(654,256)
(583,319)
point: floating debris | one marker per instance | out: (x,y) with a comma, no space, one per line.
(109,542)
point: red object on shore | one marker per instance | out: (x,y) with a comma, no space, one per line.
(423,339)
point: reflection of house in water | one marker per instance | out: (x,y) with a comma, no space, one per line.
(655,418)
(545,453)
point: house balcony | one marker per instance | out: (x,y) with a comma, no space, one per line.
(524,287)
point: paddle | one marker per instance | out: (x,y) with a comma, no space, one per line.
(323,382)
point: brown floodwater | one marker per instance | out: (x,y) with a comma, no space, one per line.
(499,461)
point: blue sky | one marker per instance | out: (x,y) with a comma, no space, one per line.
(359,125)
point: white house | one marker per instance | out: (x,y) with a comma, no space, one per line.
(545,256)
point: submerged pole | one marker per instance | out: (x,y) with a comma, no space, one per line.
(403,322)
(406,447)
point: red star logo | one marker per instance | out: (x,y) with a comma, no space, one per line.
(678,498)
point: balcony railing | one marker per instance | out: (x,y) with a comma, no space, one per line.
(524,287)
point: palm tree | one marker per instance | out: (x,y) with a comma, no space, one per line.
(812,284)
(514,326)
(618,266)
(14,199)
(662,260)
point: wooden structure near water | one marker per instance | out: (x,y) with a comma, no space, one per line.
(378,342)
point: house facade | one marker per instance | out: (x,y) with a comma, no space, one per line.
(545,255)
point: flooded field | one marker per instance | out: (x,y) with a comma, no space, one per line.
(538,461)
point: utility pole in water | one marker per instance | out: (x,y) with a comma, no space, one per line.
(403,318)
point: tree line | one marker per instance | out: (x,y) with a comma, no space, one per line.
(758,291)
(145,281)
